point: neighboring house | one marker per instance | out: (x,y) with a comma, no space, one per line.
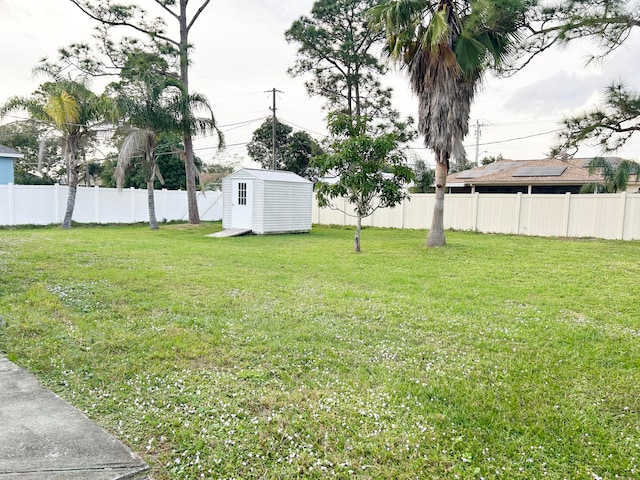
(7,156)
(267,201)
(550,175)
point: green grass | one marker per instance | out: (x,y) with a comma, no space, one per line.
(290,356)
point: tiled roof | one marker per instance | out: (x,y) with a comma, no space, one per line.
(549,171)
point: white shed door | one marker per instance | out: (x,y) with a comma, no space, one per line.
(242,204)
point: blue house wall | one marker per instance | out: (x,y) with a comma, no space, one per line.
(6,170)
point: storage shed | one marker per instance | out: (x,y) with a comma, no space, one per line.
(266,202)
(7,156)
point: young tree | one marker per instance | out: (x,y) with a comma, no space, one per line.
(129,15)
(446,46)
(358,160)
(75,112)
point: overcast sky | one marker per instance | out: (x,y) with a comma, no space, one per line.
(240,55)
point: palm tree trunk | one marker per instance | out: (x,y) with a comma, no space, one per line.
(153,223)
(356,240)
(71,203)
(72,174)
(436,236)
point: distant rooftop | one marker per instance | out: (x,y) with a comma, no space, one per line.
(519,172)
(9,152)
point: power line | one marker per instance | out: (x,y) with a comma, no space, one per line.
(522,138)
(323,135)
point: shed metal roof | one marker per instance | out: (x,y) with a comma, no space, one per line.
(273,175)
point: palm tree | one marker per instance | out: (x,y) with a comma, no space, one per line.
(153,105)
(615,174)
(74,111)
(143,102)
(140,143)
(446,46)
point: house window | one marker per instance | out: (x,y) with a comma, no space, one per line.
(242,193)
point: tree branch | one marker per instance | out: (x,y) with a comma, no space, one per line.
(121,23)
(197,14)
(167,9)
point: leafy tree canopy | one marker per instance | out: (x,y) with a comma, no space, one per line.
(294,150)
(42,162)
(424,176)
(339,51)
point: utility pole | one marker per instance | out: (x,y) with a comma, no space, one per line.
(273,127)
(479,124)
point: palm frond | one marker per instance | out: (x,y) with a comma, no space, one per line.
(135,144)
(64,110)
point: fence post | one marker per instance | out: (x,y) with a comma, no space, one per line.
(518,213)
(12,211)
(529,213)
(96,203)
(56,202)
(132,193)
(475,210)
(623,208)
(567,214)
(165,215)
(404,211)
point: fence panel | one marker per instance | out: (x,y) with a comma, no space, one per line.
(46,204)
(631,218)
(611,216)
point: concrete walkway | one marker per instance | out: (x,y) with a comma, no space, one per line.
(43,437)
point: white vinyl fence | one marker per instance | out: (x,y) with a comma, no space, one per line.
(609,216)
(46,204)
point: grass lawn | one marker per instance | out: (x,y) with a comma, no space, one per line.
(293,357)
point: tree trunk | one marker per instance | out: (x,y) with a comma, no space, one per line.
(190,170)
(436,236)
(153,223)
(356,240)
(189,163)
(72,175)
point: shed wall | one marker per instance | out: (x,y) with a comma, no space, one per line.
(278,206)
(227,197)
(287,207)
